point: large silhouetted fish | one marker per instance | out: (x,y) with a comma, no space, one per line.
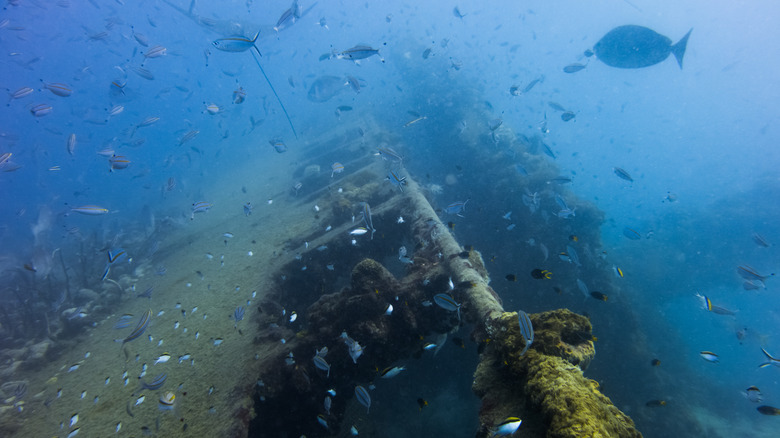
(636,47)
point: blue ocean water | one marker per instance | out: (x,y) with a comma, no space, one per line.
(697,141)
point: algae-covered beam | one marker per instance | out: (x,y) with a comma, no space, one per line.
(481,303)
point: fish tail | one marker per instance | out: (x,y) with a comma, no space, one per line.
(679,49)
(275,94)
(771,359)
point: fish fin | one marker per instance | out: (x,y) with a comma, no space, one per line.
(679,49)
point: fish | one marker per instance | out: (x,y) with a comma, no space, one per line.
(327,404)
(143,72)
(58,88)
(655,403)
(117,162)
(71,145)
(760,240)
(599,296)
(353,83)
(358,52)
(166,401)
(188,136)
(421,402)
(753,394)
(155,52)
(90,210)
(239,95)
(139,328)
(772,360)
(396,180)
(541,274)
(325,88)
(634,46)
(358,231)
(336,168)
(412,122)
(238,315)
(709,356)
(426,53)
(526,329)
(768,410)
(631,233)
(622,174)
(235,44)
(567,115)
(321,364)
(355,349)
(507,427)
(655,362)
(165,357)
(707,304)
(618,272)
(278,145)
(41,110)
(367,219)
(575,258)
(573,68)
(115,255)
(155,384)
(456,208)
(456,13)
(288,17)
(511,277)
(390,372)
(147,293)
(362,396)
(200,207)
(583,287)
(389,154)
(750,274)
(20,93)
(532,84)
(321,419)
(445,301)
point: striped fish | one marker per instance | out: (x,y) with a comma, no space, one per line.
(117,162)
(363,398)
(116,255)
(367,219)
(238,315)
(396,180)
(156,52)
(200,207)
(445,301)
(235,44)
(750,274)
(526,329)
(124,321)
(155,384)
(336,168)
(41,110)
(359,52)
(320,363)
(57,88)
(622,174)
(89,210)
(72,144)
(389,154)
(140,328)
(22,92)
(456,208)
